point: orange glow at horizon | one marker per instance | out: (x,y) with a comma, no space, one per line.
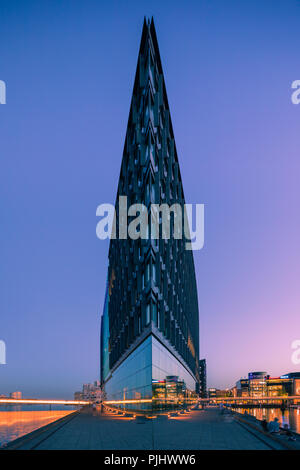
(10,418)
(33,401)
(116,402)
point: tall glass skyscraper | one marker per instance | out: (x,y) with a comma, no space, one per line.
(150,324)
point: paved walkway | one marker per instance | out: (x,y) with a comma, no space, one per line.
(197,430)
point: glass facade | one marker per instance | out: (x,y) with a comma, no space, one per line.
(257,384)
(132,380)
(172,385)
(104,364)
(151,379)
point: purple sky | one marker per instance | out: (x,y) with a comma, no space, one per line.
(69,68)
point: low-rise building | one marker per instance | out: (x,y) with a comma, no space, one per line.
(259,385)
(16,395)
(90,392)
(78,396)
(217,393)
(242,388)
(212,393)
(285,385)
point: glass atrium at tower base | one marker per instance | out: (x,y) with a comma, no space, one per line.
(151,379)
(150,321)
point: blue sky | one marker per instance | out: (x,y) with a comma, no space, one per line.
(69,68)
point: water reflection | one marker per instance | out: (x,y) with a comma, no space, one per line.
(15,422)
(290,416)
(171,393)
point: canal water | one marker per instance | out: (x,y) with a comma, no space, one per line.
(290,416)
(18,420)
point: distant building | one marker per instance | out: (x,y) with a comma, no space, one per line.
(16,395)
(202,379)
(78,396)
(257,384)
(285,385)
(217,393)
(242,388)
(90,392)
(277,387)
(291,375)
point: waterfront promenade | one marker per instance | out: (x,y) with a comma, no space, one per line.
(198,430)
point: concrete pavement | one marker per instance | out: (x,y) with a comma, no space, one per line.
(198,430)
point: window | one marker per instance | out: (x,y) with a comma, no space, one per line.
(148,272)
(154,272)
(154,314)
(147,195)
(148,314)
(152,191)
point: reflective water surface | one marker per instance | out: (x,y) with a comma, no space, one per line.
(290,416)
(16,421)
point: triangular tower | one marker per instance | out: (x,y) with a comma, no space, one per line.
(150,324)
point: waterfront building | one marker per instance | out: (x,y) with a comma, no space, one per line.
(242,388)
(285,385)
(217,393)
(295,376)
(254,386)
(257,384)
(16,395)
(78,396)
(212,392)
(277,387)
(90,392)
(150,324)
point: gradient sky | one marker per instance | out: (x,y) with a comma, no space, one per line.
(69,68)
